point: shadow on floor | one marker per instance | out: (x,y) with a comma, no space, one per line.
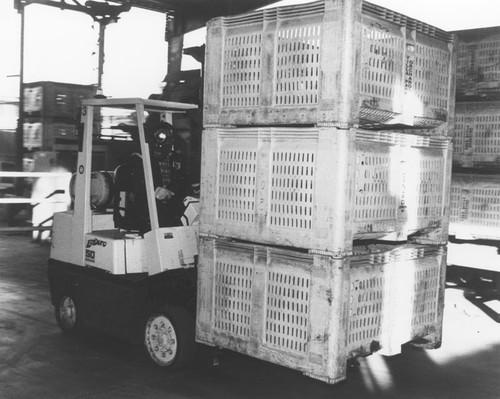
(480,287)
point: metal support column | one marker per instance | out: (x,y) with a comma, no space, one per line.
(100,69)
(20,120)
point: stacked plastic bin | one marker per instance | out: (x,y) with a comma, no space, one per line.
(49,111)
(475,198)
(326,171)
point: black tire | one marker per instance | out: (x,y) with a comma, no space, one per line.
(67,314)
(169,337)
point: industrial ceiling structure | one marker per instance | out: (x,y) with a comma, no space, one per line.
(182,16)
(193,14)
(188,15)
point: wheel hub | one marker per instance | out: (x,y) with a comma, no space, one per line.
(68,312)
(162,341)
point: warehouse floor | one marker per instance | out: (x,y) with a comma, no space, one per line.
(38,360)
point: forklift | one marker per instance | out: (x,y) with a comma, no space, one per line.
(116,265)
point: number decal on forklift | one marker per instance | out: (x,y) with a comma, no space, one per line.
(84,111)
(81,169)
(89,255)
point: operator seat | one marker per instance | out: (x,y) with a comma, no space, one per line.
(130,208)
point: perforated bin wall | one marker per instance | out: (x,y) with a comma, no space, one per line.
(475,206)
(336,61)
(320,188)
(312,312)
(478,64)
(394,297)
(477,135)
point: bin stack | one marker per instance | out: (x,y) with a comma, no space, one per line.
(49,116)
(326,167)
(475,198)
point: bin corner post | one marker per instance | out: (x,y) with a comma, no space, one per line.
(214,72)
(446,205)
(204,306)
(340,91)
(210,165)
(336,320)
(262,258)
(452,85)
(437,336)
(344,183)
(270,42)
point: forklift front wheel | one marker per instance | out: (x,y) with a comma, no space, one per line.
(169,337)
(66,314)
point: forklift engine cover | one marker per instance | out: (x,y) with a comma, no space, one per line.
(114,251)
(123,253)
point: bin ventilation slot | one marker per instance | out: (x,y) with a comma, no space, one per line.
(425,301)
(365,312)
(292,189)
(430,187)
(298,65)
(237,185)
(403,20)
(242,65)
(382,54)
(431,78)
(374,201)
(233,298)
(485,209)
(287,311)
(475,202)
(477,133)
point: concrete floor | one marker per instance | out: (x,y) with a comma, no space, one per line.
(38,361)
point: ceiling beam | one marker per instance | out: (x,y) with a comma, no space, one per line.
(99,11)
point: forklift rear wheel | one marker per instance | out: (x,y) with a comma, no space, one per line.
(169,337)
(66,314)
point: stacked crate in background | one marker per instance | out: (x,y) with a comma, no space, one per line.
(50,109)
(475,195)
(326,169)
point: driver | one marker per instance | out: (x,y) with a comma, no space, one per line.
(170,179)
(170,175)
